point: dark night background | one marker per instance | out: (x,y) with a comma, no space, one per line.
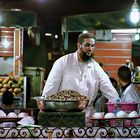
(50,12)
(49,15)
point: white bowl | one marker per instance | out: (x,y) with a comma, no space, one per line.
(133,114)
(22,114)
(98,115)
(109,115)
(2,114)
(121,114)
(12,115)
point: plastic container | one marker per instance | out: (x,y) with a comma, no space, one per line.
(127,107)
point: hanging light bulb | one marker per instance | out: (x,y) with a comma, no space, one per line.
(135,14)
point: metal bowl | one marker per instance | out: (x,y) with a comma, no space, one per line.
(51,105)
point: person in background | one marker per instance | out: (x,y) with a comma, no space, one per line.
(8,106)
(7,102)
(78,71)
(124,78)
(100,104)
(130,90)
(132,93)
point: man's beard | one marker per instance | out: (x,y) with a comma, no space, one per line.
(85,57)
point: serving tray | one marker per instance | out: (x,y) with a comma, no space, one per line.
(10,119)
(124,118)
(119,122)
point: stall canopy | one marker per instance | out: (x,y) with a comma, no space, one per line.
(107,20)
(18,18)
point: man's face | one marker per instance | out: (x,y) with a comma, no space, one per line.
(86,49)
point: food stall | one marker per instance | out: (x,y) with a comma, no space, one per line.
(13,23)
(111,47)
(11,57)
(65,119)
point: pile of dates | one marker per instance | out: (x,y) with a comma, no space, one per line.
(66,95)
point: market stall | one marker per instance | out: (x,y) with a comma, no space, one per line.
(61,115)
(97,21)
(24,82)
(13,23)
(111,48)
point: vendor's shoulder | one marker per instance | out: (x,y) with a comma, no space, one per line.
(64,60)
(66,57)
(95,62)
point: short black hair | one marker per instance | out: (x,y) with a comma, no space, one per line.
(82,36)
(124,73)
(7,98)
